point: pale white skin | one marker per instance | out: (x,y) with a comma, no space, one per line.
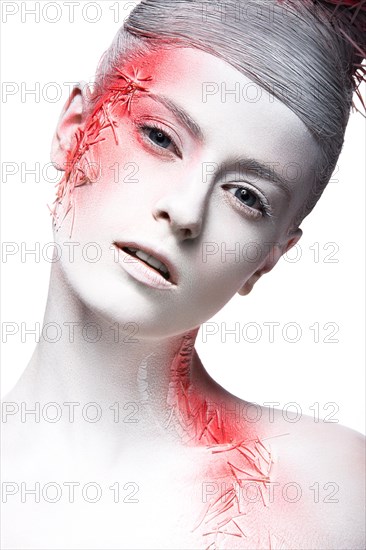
(173,208)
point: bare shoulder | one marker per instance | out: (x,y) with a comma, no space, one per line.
(321,474)
(321,445)
(296,481)
(311,474)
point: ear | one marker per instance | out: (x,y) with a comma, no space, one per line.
(274,254)
(71,118)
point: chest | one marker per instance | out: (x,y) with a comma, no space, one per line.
(154,498)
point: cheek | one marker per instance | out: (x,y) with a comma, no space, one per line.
(226,260)
(232,244)
(131,182)
(98,203)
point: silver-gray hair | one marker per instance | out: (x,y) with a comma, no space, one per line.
(294,49)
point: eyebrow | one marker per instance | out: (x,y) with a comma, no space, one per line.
(264,170)
(180,114)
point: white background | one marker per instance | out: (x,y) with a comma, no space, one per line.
(310,290)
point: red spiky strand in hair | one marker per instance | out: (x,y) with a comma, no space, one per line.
(357,4)
(353,14)
(79,169)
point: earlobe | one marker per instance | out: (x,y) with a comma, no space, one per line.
(275,253)
(294,239)
(247,287)
(71,118)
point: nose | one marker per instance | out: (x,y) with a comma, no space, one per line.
(183,211)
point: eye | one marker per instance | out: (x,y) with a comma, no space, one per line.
(251,201)
(247,197)
(159,138)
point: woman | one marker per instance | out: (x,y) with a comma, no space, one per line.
(198,467)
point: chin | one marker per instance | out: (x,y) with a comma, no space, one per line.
(133,314)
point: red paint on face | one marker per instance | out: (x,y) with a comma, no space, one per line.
(81,166)
(120,88)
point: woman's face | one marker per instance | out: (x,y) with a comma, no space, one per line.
(177,184)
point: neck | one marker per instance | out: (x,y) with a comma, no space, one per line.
(140,379)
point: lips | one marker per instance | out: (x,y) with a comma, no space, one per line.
(154,259)
(150,260)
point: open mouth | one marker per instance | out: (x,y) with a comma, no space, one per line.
(149,260)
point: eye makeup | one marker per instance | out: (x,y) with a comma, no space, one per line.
(145,127)
(264,209)
(261,205)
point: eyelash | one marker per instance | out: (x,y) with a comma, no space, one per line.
(155,126)
(265,207)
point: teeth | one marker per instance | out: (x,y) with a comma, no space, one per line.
(154,262)
(157,264)
(142,255)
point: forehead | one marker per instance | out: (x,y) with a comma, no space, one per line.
(237,117)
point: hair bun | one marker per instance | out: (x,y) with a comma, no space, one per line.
(353,12)
(349,19)
(348,3)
